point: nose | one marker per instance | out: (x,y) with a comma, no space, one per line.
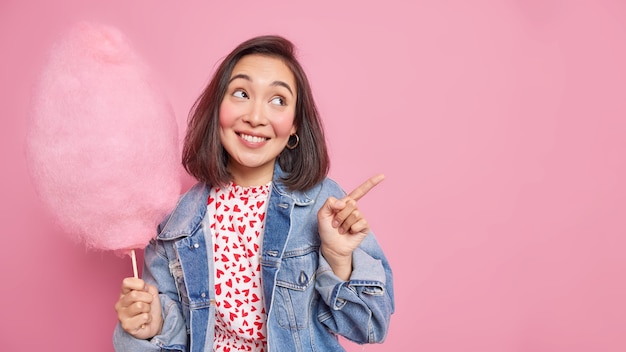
(256,115)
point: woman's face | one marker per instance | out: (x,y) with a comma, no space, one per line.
(257,117)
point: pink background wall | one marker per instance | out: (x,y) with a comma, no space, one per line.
(499,124)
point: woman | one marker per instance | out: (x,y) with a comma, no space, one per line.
(264,253)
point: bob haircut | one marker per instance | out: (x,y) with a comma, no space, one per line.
(204,156)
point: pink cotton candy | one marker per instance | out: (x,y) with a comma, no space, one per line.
(103,141)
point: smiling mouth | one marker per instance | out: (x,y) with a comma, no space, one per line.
(252,139)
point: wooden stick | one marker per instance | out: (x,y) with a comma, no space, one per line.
(134,258)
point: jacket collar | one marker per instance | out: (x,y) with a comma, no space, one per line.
(187,215)
(191,208)
(299,197)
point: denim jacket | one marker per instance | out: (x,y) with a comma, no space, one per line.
(307,304)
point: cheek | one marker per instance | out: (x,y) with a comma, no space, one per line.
(284,127)
(227,115)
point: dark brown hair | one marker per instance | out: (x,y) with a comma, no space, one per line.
(204,156)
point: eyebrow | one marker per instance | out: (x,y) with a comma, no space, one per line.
(275,83)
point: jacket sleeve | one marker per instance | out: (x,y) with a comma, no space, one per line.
(359,309)
(173,336)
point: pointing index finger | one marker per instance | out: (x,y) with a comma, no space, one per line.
(362,190)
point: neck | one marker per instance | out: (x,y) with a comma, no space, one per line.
(251,177)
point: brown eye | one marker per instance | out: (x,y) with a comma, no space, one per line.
(240,94)
(279,101)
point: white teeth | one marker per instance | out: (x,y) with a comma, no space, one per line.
(252,139)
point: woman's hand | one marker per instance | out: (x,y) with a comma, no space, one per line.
(342,228)
(139,309)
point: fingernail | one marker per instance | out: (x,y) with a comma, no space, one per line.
(335,223)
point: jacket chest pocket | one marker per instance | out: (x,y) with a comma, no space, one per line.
(295,294)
